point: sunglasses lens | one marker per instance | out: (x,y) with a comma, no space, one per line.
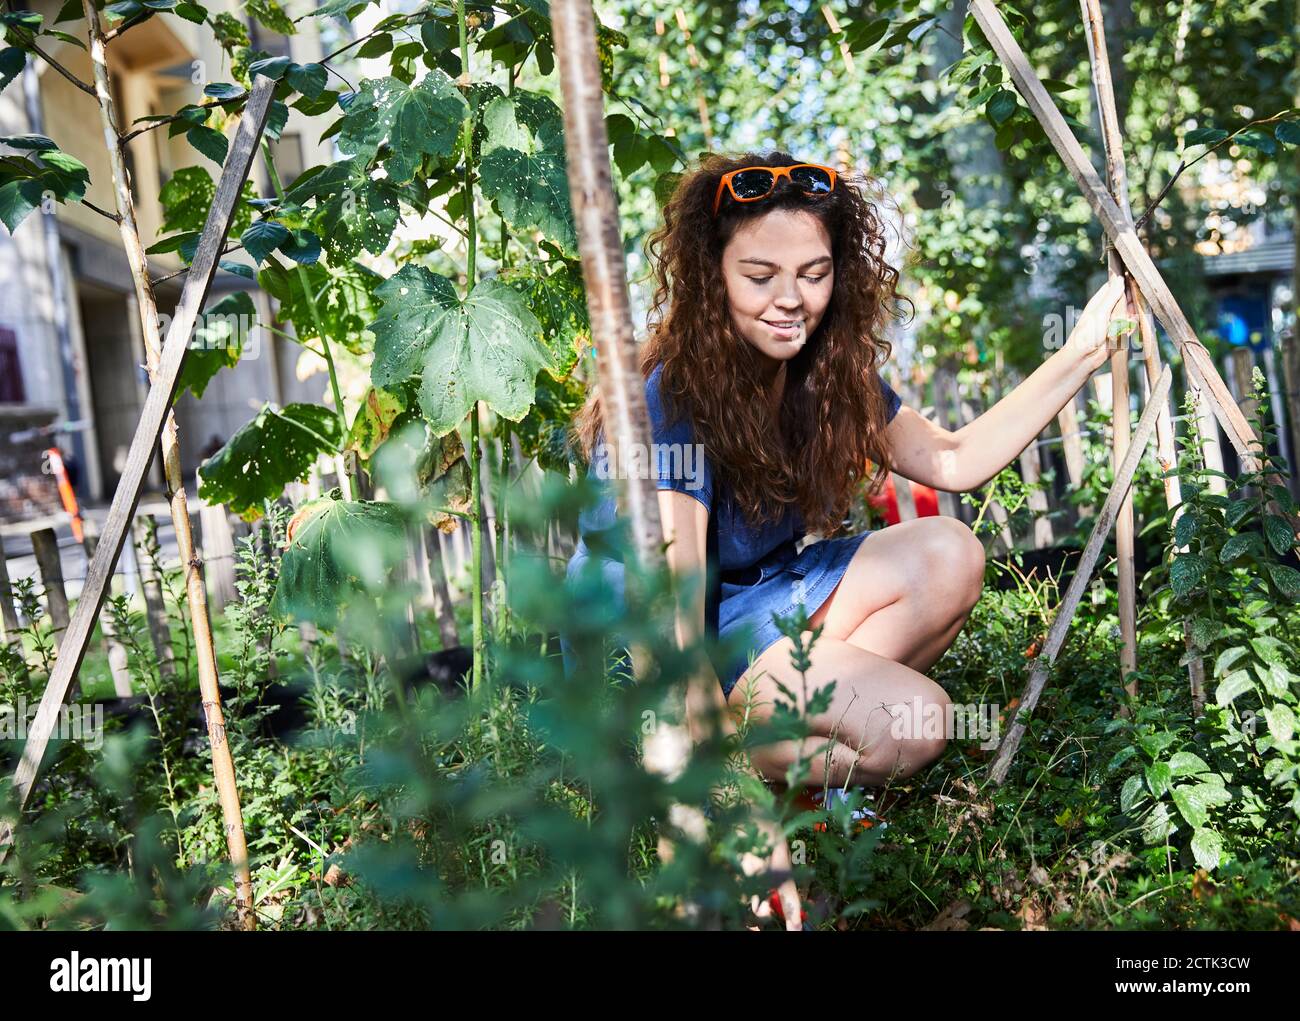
(811,179)
(752,184)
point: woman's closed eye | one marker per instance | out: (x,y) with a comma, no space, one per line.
(810,277)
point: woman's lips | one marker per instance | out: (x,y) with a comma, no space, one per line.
(789,332)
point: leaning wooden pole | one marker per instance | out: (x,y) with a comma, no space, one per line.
(155,424)
(1112,140)
(1060,627)
(1199,364)
(195,588)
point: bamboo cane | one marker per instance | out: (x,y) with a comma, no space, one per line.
(1112,139)
(1001,763)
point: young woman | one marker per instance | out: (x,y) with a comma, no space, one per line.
(778,295)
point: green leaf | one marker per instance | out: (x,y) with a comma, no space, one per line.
(523,167)
(1269,649)
(414,120)
(270,67)
(262,238)
(558,300)
(1279,533)
(1204,136)
(1227,657)
(1288,132)
(339,554)
(12,61)
(192,12)
(1287,579)
(344,295)
(17,200)
(272,15)
(223,90)
(309,79)
(1257,140)
(265,455)
(1131,794)
(1186,528)
(187,198)
(1186,764)
(1207,848)
(1191,807)
(1158,776)
(1002,106)
(302,246)
(1158,827)
(1281,721)
(1233,686)
(1185,572)
(36,143)
(209,141)
(218,342)
(353,210)
(1235,547)
(484,348)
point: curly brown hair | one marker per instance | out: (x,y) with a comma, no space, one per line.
(832,411)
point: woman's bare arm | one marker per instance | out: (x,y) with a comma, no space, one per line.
(686,523)
(965,459)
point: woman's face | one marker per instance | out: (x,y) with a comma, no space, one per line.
(779,276)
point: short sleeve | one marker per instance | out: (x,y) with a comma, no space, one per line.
(892,401)
(678,459)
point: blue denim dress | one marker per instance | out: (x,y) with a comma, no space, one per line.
(755,571)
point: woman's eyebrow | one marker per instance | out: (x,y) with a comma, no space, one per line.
(773,265)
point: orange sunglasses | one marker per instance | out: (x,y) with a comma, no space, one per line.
(749,184)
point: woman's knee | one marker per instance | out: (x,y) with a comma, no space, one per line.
(915,735)
(956,554)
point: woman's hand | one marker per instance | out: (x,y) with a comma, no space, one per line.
(779,861)
(1090,340)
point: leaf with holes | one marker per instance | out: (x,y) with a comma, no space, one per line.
(341,553)
(485,348)
(265,455)
(414,120)
(344,295)
(523,167)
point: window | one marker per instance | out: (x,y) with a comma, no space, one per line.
(11,373)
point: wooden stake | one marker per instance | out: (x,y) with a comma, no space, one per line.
(1083,573)
(45,547)
(165,373)
(118,661)
(1113,147)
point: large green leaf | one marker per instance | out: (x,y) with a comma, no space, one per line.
(353,210)
(415,120)
(274,449)
(345,300)
(218,343)
(339,552)
(485,348)
(523,167)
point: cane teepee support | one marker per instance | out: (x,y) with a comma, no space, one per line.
(147,434)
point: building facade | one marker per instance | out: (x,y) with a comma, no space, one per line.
(71,351)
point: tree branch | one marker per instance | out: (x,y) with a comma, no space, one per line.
(176,117)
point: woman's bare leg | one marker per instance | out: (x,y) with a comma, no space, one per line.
(901,603)
(907,591)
